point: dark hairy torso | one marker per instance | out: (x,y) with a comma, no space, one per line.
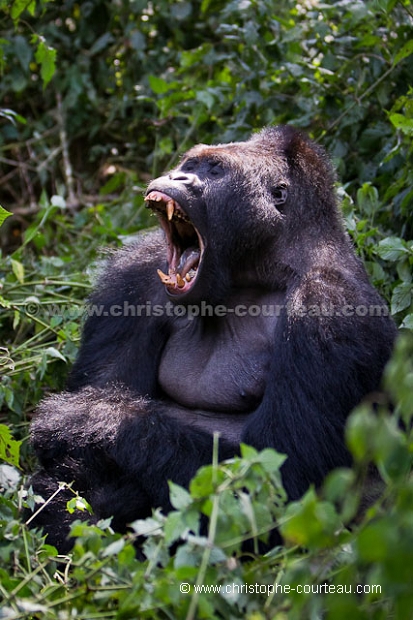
(216,367)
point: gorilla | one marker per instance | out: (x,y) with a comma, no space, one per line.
(246,313)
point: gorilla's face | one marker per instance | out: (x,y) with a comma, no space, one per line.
(244,215)
(177,201)
(220,211)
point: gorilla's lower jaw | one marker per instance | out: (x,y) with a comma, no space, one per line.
(185,244)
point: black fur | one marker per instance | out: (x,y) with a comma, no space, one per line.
(147,392)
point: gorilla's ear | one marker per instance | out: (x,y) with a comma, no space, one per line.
(280,195)
(309,159)
(308,163)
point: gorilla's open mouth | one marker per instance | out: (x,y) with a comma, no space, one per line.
(185,245)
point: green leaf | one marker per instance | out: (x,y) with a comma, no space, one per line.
(180,498)
(174,527)
(19,6)
(114,182)
(310,522)
(248,452)
(101,43)
(160,86)
(3,215)
(403,123)
(390,451)
(137,40)
(392,248)
(78,503)
(201,485)
(9,447)
(271,460)
(360,430)
(408,322)
(405,51)
(404,271)
(401,297)
(46,57)
(368,199)
(339,489)
(114,548)
(181,10)
(23,51)
(206,97)
(52,352)
(147,527)
(376,541)
(18,270)
(12,116)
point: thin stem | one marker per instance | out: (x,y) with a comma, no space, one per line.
(212,530)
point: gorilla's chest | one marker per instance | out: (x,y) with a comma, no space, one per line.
(220,363)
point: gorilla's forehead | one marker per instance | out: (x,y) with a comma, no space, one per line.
(255,153)
(221,150)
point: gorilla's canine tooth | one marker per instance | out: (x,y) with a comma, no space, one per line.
(170,209)
(179,280)
(164,278)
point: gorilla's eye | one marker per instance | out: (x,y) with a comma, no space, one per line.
(190,166)
(215,170)
(279,195)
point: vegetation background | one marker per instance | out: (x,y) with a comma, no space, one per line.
(96,98)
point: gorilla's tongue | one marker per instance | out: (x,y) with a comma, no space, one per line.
(189,260)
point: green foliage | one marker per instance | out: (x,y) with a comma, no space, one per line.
(9,448)
(3,215)
(338,567)
(46,57)
(96,98)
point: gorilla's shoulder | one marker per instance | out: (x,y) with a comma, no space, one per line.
(131,266)
(146,249)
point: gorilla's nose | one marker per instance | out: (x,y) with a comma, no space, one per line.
(182,177)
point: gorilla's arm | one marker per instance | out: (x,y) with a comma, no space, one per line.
(120,329)
(322,368)
(119,450)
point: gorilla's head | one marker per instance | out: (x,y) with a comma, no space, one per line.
(245,214)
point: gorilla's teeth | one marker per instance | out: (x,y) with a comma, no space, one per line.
(164,278)
(188,278)
(170,209)
(179,280)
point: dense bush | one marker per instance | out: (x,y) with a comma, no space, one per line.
(96,98)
